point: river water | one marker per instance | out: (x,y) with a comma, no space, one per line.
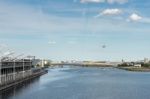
(83,83)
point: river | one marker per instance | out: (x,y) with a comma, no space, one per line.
(83,83)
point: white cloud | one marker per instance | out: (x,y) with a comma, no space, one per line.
(110,12)
(92,1)
(117,1)
(134,17)
(137,18)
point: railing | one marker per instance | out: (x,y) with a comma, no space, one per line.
(8,78)
(3,67)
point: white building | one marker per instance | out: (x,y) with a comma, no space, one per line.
(137,65)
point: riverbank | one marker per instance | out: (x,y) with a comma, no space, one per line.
(96,65)
(137,69)
(84,64)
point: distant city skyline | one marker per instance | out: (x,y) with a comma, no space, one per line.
(77,29)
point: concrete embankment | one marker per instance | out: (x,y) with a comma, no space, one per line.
(21,80)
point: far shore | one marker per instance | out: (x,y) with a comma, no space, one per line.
(136,69)
(128,68)
(88,64)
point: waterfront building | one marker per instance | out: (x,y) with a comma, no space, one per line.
(42,63)
(137,65)
(13,68)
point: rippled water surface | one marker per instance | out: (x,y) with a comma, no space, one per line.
(83,83)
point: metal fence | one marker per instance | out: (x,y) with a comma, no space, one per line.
(12,69)
(11,77)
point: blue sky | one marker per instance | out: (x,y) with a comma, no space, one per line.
(77,29)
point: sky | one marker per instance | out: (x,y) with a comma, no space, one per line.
(76,29)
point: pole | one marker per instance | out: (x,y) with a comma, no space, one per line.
(14,70)
(42,63)
(23,67)
(30,66)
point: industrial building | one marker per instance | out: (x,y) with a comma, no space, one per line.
(14,68)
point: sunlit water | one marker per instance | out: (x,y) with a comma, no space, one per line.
(84,83)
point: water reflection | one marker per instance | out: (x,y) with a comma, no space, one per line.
(13,91)
(84,83)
